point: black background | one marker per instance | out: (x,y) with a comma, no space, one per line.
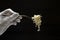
(26,30)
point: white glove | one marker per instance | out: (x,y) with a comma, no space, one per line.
(8,18)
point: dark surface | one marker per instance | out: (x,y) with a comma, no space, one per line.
(26,30)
